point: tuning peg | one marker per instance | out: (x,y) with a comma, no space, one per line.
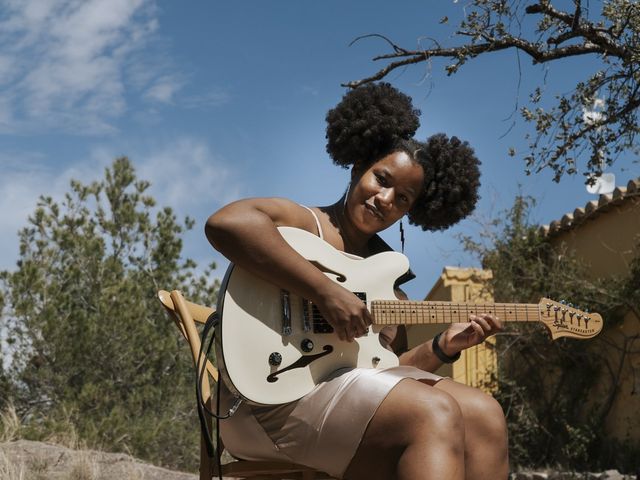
(563,302)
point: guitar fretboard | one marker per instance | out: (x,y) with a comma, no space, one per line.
(407,312)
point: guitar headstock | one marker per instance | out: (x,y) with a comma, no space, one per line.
(564,320)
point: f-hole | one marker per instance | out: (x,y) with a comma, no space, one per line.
(339,276)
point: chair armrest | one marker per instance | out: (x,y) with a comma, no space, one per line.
(184,317)
(200,313)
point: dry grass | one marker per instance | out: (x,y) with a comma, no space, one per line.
(38,468)
(11,470)
(133,471)
(66,437)
(85,467)
(10,425)
(64,433)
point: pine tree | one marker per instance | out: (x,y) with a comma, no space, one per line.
(92,350)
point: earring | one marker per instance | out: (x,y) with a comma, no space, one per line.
(402,235)
(346,196)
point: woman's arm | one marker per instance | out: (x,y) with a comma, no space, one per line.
(458,337)
(246,233)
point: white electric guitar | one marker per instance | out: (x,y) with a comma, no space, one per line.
(273,347)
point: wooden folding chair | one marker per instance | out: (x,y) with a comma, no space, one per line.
(185,314)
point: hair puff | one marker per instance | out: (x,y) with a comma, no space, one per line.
(367,122)
(451,182)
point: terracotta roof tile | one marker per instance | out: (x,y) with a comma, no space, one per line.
(592,209)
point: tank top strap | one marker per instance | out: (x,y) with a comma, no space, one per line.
(317,221)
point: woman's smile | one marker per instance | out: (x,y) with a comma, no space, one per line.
(373,210)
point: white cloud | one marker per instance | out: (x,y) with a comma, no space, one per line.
(63,61)
(75,65)
(213,98)
(164,89)
(186,175)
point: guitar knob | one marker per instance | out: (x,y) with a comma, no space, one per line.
(306,345)
(275,359)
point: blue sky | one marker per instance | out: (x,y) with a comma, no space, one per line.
(215,101)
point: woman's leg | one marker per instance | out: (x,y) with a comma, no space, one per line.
(416,433)
(485,432)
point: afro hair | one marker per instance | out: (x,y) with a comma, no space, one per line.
(366,124)
(451,182)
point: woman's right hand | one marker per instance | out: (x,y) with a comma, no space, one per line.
(345,312)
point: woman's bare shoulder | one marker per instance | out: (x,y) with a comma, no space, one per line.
(282,211)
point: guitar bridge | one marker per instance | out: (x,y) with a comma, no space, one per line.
(286,313)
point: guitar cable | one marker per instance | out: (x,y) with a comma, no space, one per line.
(203,410)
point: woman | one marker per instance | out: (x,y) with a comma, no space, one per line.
(401,422)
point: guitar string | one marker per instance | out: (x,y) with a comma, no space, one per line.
(452,312)
(445,312)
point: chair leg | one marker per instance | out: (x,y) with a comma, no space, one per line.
(208,467)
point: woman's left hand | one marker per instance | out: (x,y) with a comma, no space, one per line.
(460,336)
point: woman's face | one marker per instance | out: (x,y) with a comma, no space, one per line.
(384,192)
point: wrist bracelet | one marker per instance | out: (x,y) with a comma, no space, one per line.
(443,357)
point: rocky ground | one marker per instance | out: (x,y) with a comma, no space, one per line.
(26,460)
(608,475)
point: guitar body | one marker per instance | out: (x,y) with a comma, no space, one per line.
(267,363)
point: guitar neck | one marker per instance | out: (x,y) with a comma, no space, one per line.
(407,312)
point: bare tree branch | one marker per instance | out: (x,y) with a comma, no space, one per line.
(613,38)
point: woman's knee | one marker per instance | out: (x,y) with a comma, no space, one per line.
(413,415)
(485,418)
(439,414)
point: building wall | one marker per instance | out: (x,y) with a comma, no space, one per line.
(607,241)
